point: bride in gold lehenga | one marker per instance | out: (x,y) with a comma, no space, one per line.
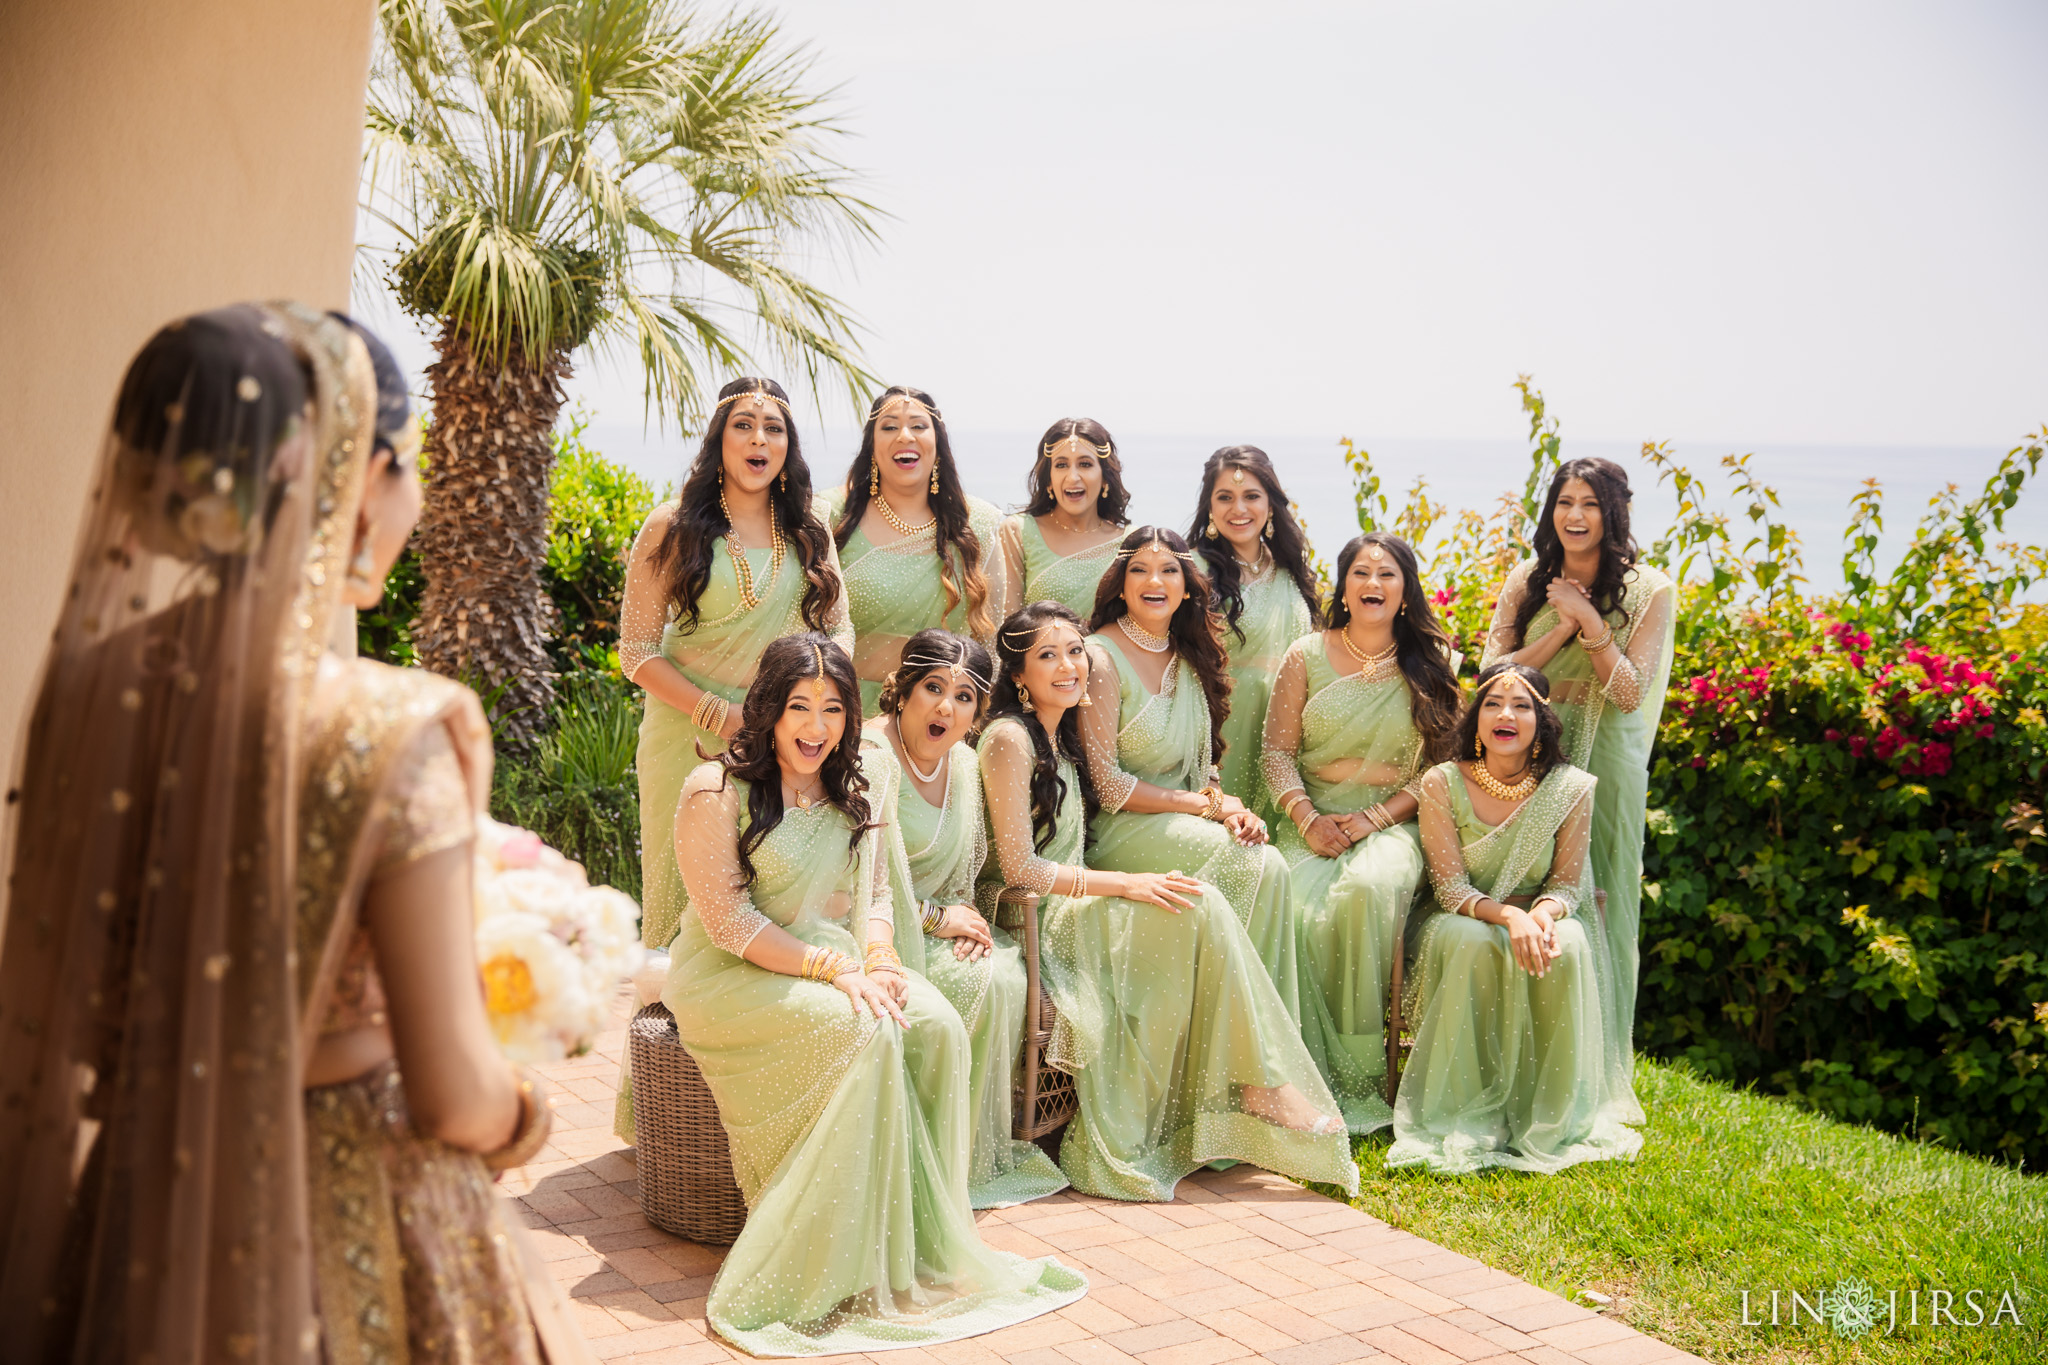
(240,908)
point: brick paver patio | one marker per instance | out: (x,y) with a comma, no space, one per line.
(1242,1266)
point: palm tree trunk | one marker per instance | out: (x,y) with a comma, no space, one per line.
(483,536)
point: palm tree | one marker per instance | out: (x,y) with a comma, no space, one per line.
(558,174)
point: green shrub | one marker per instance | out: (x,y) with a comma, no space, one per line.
(595,509)
(1846,870)
(577,789)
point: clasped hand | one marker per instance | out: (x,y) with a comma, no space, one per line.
(1573,605)
(1532,935)
(968,930)
(878,994)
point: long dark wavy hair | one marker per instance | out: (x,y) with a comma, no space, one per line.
(684,554)
(959,549)
(1548,751)
(1425,646)
(1618,551)
(1014,641)
(1115,501)
(1196,628)
(935,650)
(1286,541)
(751,755)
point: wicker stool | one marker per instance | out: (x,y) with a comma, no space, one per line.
(686,1184)
(1042,1099)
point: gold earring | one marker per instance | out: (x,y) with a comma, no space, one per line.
(1024,696)
(874,476)
(721,476)
(1209,528)
(1478,747)
(1536,750)
(1266,531)
(935,476)
(1104,494)
(785,480)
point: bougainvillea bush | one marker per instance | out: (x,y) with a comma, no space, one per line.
(1846,869)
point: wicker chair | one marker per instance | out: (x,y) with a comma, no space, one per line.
(1399,1040)
(1042,1099)
(686,1182)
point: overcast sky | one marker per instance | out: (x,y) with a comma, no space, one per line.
(1726,222)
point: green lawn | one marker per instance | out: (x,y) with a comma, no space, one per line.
(1736,1190)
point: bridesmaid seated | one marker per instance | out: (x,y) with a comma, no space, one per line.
(1357,713)
(1180,1048)
(927,785)
(841,1080)
(1505,987)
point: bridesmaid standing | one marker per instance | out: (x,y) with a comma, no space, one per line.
(840,1078)
(1179,1047)
(1057,548)
(1358,711)
(1257,558)
(917,750)
(1158,697)
(1598,622)
(915,549)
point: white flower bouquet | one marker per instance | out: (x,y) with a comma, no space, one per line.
(553,949)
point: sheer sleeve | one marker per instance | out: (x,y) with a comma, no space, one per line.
(431,803)
(707,853)
(839,616)
(1282,740)
(1442,846)
(644,615)
(1006,763)
(1568,863)
(994,571)
(1099,723)
(1646,642)
(1500,640)
(1012,551)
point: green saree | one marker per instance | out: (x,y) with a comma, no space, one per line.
(1164,1018)
(1132,736)
(1274,617)
(1609,732)
(1348,741)
(719,655)
(893,591)
(849,1135)
(936,854)
(1508,1069)
(1038,574)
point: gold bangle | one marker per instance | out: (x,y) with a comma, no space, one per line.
(1595,646)
(883,957)
(931,915)
(1080,880)
(535,1121)
(1214,796)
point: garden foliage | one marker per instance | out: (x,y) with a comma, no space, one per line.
(1846,871)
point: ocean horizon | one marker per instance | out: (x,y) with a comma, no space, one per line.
(1814,482)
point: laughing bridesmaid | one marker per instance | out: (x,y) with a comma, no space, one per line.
(915,550)
(1057,548)
(1257,558)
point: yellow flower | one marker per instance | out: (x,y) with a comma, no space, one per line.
(508,985)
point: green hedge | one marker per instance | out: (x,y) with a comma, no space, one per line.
(1846,870)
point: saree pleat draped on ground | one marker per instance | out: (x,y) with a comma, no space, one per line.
(1508,1069)
(1164,1018)
(1613,743)
(850,1136)
(1349,742)
(936,854)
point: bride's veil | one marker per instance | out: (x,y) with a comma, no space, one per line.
(152,1148)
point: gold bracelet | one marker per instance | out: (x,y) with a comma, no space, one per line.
(931,915)
(1377,813)
(1595,646)
(1080,880)
(535,1120)
(1215,798)
(826,965)
(882,957)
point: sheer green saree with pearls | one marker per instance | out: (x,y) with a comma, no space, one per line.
(1274,617)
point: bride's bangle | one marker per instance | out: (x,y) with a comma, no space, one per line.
(535,1119)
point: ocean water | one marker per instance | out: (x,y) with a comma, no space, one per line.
(1813,482)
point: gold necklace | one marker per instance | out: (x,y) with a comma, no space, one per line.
(1498,789)
(741,569)
(1073,530)
(804,800)
(1368,662)
(898,524)
(1143,638)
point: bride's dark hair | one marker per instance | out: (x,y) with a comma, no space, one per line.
(1014,641)
(1285,540)
(684,554)
(958,548)
(1195,627)
(1618,552)
(751,754)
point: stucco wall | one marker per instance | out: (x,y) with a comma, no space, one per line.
(155,159)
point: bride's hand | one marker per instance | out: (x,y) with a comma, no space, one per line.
(968,930)
(867,993)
